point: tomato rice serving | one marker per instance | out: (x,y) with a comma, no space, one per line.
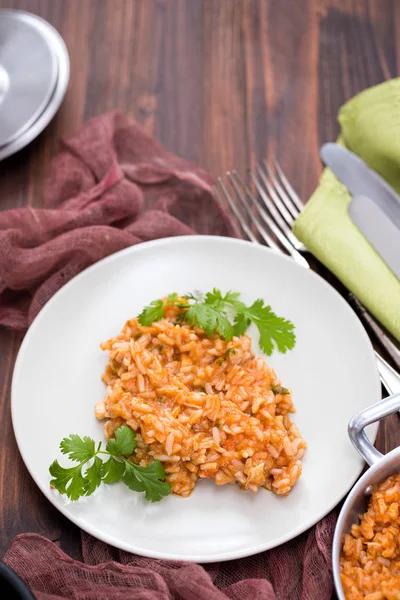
(205,407)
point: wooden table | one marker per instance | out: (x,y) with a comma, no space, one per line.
(220,82)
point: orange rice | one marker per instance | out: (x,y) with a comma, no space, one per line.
(370,560)
(205,407)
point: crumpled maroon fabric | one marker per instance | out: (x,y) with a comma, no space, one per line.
(110,187)
(298,570)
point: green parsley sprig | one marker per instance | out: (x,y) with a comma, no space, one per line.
(82,480)
(227,316)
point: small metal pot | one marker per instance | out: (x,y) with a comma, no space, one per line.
(381,467)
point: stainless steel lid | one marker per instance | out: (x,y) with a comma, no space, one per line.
(28,73)
(50,50)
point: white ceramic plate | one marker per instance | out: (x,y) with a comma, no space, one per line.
(332,371)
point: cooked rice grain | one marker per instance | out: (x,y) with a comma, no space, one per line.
(203,413)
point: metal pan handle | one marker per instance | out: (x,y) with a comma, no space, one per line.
(365,417)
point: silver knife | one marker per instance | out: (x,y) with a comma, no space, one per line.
(379,230)
(360,180)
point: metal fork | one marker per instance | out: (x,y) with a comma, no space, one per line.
(269,215)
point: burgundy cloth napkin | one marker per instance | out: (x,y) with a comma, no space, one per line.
(298,570)
(112,186)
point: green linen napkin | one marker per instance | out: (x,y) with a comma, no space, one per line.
(370,127)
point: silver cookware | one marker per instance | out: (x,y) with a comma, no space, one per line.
(381,467)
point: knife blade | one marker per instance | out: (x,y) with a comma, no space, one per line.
(379,230)
(361,180)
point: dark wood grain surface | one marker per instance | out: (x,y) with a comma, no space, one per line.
(219,82)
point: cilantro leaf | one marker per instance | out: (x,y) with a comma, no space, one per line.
(68,481)
(77,447)
(209,319)
(154,469)
(217,299)
(275,332)
(93,476)
(61,476)
(124,442)
(151,313)
(147,479)
(231,296)
(203,316)
(241,324)
(77,487)
(130,479)
(222,303)
(112,471)
(224,328)
(75,482)
(172,298)
(155,310)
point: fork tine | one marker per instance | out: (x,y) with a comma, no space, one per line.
(234,177)
(261,230)
(245,228)
(289,189)
(281,192)
(221,199)
(264,171)
(286,230)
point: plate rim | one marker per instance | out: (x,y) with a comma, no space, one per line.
(198,558)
